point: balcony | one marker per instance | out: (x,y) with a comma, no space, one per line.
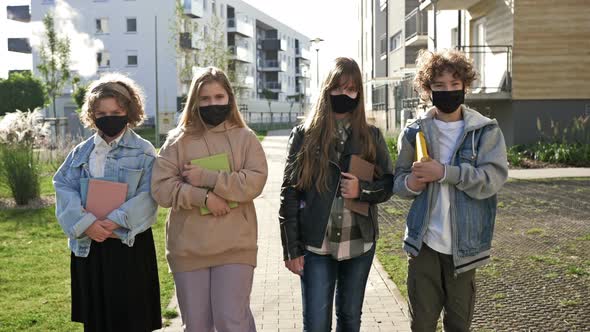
(193,8)
(417,28)
(190,41)
(448,4)
(272,65)
(240,53)
(19,45)
(273,44)
(276,87)
(240,25)
(494,65)
(303,54)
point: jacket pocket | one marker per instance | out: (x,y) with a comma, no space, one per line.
(475,221)
(132,177)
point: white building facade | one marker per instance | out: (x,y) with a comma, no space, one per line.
(271,57)
(15,35)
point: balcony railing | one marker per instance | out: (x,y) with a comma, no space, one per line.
(416,24)
(189,40)
(193,8)
(273,85)
(241,26)
(240,53)
(494,66)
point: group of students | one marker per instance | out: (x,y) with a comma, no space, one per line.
(114,276)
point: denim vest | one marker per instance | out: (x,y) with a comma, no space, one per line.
(129,161)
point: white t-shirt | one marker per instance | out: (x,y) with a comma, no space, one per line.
(438,236)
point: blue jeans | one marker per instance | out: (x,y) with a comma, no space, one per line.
(321,274)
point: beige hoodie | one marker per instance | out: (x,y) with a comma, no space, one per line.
(194,241)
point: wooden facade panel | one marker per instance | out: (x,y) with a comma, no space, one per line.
(551,55)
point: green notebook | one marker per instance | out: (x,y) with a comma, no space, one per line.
(218,162)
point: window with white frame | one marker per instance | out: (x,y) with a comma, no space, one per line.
(103,59)
(395,41)
(102,25)
(132,59)
(131,23)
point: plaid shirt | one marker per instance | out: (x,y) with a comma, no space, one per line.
(343,238)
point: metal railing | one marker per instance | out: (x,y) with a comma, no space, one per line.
(273,85)
(489,60)
(270,120)
(416,24)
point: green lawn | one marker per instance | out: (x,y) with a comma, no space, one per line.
(34,271)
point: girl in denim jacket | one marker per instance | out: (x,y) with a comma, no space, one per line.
(113,261)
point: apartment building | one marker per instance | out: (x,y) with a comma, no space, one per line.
(271,58)
(15,35)
(531,56)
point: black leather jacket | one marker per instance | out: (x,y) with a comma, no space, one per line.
(304,215)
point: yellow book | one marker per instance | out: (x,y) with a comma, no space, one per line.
(218,162)
(421,149)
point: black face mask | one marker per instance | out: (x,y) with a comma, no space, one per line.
(448,101)
(213,115)
(111,125)
(343,104)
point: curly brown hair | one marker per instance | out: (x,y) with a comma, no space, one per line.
(432,64)
(114,85)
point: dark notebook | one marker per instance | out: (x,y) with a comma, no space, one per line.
(363,170)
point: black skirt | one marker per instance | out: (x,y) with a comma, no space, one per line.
(116,287)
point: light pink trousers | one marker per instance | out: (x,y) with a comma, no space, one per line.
(216,298)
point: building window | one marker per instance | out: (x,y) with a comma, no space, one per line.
(102,25)
(131,58)
(131,25)
(221,10)
(103,59)
(383,44)
(213,7)
(205,5)
(395,41)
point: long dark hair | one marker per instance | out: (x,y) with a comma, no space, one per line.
(312,169)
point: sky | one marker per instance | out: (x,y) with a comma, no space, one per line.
(335,21)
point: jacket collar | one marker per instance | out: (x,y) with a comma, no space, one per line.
(473,119)
(129,140)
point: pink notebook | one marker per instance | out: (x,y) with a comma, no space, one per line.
(104,197)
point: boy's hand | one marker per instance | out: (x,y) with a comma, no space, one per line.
(428,171)
(414,184)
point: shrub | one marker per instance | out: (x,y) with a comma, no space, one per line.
(20,132)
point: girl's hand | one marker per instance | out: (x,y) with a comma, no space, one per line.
(97,232)
(110,226)
(193,175)
(428,171)
(217,205)
(295,265)
(349,186)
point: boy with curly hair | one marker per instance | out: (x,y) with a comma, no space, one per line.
(450,223)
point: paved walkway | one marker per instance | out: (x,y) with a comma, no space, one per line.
(546,173)
(276,294)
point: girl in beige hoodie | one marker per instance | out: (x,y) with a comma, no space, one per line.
(212,256)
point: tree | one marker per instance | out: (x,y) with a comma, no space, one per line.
(21,91)
(54,56)
(269,96)
(211,40)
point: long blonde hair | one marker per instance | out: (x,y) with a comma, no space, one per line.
(312,168)
(191,121)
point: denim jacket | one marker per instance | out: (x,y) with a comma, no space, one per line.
(129,161)
(478,170)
